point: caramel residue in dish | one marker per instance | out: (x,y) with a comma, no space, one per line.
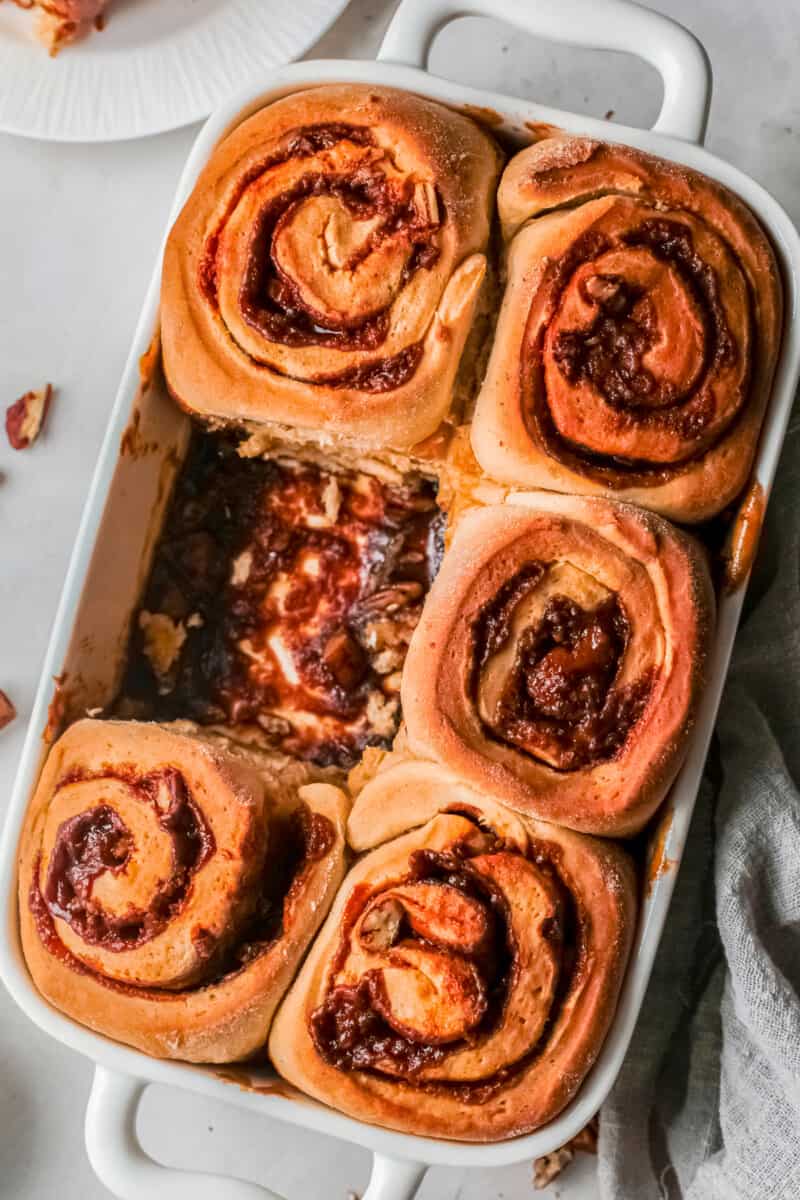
(742,542)
(657,862)
(486,117)
(240,1078)
(57,710)
(542,130)
(132,443)
(166,476)
(435,446)
(462,485)
(150,361)
(130,436)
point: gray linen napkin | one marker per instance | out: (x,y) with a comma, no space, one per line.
(707,1105)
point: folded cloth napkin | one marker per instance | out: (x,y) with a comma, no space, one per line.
(707,1105)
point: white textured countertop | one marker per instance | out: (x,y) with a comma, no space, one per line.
(79,227)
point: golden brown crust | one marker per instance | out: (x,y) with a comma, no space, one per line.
(188,991)
(593,552)
(376,206)
(638,334)
(561,894)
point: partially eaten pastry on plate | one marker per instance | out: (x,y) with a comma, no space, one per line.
(62,21)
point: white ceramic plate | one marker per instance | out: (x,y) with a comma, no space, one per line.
(158,64)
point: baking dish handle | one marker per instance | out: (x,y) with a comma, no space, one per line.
(127,1171)
(601,24)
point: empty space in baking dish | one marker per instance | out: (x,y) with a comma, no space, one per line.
(269,596)
(281,601)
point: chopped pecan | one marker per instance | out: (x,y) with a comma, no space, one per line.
(25,417)
(549,1166)
(241,568)
(426,204)
(345,659)
(391,683)
(380,927)
(332,499)
(7,710)
(163,639)
(390,599)
(387,661)
(607,291)
(586,1139)
(382,714)
(275,726)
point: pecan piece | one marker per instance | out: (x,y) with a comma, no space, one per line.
(345,659)
(380,927)
(163,641)
(549,1166)
(25,417)
(393,597)
(7,710)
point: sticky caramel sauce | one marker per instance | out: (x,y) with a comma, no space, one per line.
(609,354)
(349,1028)
(56,710)
(657,863)
(561,685)
(297,841)
(740,549)
(98,840)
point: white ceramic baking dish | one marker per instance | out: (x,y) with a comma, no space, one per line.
(122,516)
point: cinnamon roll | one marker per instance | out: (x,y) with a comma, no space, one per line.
(560,658)
(638,333)
(168,888)
(468,972)
(324,272)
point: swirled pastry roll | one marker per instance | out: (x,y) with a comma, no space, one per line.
(468,972)
(638,333)
(560,658)
(324,272)
(168,889)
